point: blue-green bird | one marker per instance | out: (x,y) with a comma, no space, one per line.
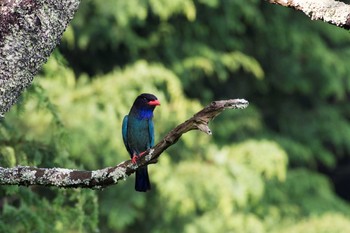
(138,134)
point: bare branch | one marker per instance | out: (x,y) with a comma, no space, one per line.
(61,177)
(330,11)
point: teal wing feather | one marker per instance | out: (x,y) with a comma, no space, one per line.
(151,133)
(125,133)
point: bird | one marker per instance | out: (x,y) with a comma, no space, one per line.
(138,135)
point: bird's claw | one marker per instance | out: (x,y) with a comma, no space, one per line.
(142,153)
(134,159)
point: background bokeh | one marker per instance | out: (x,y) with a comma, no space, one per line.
(281,165)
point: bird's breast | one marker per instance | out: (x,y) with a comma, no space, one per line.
(138,135)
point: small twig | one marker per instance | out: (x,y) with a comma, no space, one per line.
(97,179)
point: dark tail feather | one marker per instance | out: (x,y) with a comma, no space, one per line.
(142,183)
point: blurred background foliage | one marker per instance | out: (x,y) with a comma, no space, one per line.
(281,165)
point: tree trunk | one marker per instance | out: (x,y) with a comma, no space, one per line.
(29,31)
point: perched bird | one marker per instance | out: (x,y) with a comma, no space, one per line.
(138,135)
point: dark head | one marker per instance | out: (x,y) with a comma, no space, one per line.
(144,105)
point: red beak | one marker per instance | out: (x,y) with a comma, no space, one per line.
(154,102)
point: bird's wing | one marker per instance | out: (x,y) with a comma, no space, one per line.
(125,133)
(151,133)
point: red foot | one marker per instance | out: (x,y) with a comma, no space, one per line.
(142,153)
(135,157)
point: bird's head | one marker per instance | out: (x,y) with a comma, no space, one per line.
(145,104)
(146,100)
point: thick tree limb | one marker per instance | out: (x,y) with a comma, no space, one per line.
(330,11)
(29,31)
(61,177)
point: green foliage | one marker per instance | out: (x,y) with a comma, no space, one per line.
(8,158)
(259,172)
(26,209)
(328,223)
(235,223)
(66,211)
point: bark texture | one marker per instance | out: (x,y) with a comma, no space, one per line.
(330,11)
(62,177)
(29,31)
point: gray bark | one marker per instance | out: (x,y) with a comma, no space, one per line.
(29,31)
(70,178)
(330,11)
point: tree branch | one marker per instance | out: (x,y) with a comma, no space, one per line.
(29,31)
(66,178)
(330,11)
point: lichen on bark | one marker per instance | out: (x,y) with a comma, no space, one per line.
(29,32)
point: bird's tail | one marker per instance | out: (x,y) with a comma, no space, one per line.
(142,183)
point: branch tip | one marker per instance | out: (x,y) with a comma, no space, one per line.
(237,104)
(204,128)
